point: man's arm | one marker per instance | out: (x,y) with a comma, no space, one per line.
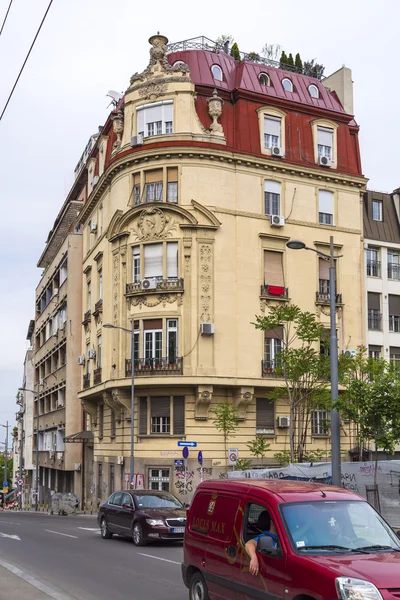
(251,547)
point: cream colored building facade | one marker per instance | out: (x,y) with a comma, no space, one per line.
(187,211)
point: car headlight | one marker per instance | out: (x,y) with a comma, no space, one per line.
(155,521)
(349,588)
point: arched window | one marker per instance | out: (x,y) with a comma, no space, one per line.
(178,63)
(264,79)
(217,72)
(287,85)
(314,91)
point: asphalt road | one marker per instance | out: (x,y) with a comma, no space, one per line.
(66,559)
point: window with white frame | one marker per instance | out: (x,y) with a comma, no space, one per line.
(373,263)
(172,341)
(319,422)
(376,210)
(159,479)
(287,85)
(63,312)
(167,415)
(154,186)
(314,92)
(98,352)
(326,206)
(63,271)
(272,131)
(264,80)
(89,294)
(152,340)
(273,346)
(272,197)
(87,359)
(172,260)
(393,257)
(217,72)
(153,261)
(155,118)
(172,184)
(325,142)
(136,264)
(100,283)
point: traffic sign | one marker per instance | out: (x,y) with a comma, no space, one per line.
(5,490)
(200,458)
(5,483)
(178,462)
(185,452)
(233,455)
(20,482)
(190,444)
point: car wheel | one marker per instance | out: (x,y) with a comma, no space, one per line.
(137,535)
(198,588)
(105,533)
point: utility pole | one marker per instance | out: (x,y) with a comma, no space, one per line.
(21,454)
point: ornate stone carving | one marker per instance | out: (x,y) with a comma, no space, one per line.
(118,128)
(242,399)
(325,310)
(203,401)
(90,409)
(117,401)
(205,288)
(153,89)
(215,111)
(187,246)
(155,300)
(153,224)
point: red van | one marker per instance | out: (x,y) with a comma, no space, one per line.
(310,542)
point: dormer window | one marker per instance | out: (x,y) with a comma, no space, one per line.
(155,118)
(377,210)
(178,63)
(287,85)
(314,91)
(216,72)
(264,79)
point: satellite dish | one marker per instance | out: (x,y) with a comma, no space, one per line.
(115,97)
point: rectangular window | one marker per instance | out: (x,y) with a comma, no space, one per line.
(374,351)
(152,340)
(325,142)
(323,277)
(153,261)
(265,416)
(374,311)
(376,210)
(179,415)
(395,356)
(172,260)
(159,479)
(393,264)
(319,422)
(98,353)
(272,349)
(63,271)
(272,197)
(99,480)
(136,189)
(101,421)
(113,424)
(136,341)
(160,414)
(111,479)
(373,263)
(272,131)
(172,184)
(100,281)
(394,313)
(326,204)
(154,186)
(136,264)
(155,118)
(100,220)
(87,359)
(273,269)
(143,416)
(89,295)
(172,341)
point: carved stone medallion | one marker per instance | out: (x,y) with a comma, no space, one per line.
(153,224)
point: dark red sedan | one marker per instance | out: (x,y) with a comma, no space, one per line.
(142,515)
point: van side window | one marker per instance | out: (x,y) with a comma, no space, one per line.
(257,520)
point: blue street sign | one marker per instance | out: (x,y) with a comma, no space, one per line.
(200,458)
(185,452)
(190,444)
(5,483)
(178,462)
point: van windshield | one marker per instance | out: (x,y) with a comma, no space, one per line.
(326,526)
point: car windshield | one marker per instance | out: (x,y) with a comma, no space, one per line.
(327,526)
(157,501)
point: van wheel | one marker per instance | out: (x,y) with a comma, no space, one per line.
(198,588)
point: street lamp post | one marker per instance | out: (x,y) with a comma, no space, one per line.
(132,449)
(37,450)
(335,421)
(5,460)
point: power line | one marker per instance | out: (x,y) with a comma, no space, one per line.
(5,18)
(25,61)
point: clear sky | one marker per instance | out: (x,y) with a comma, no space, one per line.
(87,47)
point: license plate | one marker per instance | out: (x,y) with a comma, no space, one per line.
(178,530)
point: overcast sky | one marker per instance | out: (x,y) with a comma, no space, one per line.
(87,47)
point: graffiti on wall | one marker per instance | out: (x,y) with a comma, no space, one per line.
(186,484)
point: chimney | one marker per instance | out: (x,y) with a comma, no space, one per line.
(342,83)
(226,47)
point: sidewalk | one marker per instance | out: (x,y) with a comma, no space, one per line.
(13,586)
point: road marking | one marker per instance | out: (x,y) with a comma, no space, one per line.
(94,529)
(174,562)
(65,534)
(9,522)
(46,589)
(12,537)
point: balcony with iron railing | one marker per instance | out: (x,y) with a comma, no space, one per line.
(270,368)
(323,296)
(154,366)
(374,320)
(98,308)
(373,268)
(274,292)
(87,317)
(394,323)
(97,376)
(156,286)
(86,381)
(393,271)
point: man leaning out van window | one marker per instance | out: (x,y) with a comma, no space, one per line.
(267,529)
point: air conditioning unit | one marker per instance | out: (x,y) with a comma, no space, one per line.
(277,221)
(149,284)
(81,360)
(120,460)
(207,329)
(349,353)
(91,353)
(93,227)
(324,161)
(77,467)
(95,180)
(283,422)
(277,151)
(137,140)
(41,382)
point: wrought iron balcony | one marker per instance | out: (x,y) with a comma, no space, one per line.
(154,366)
(86,381)
(274,292)
(323,296)
(87,317)
(160,286)
(373,268)
(269,368)
(374,320)
(97,376)
(98,308)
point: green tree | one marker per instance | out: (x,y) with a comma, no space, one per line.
(298,62)
(283,458)
(313,69)
(226,421)
(253,56)
(9,469)
(290,60)
(283,60)
(258,447)
(242,464)
(304,370)
(235,52)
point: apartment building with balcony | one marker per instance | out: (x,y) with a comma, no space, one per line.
(203,172)
(57,340)
(382,274)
